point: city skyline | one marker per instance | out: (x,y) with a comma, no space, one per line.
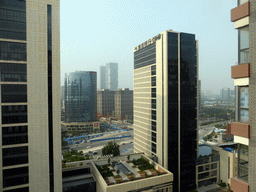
(118,26)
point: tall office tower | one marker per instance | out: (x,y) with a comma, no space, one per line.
(244,127)
(30,147)
(225,94)
(105,102)
(80,96)
(165,103)
(199,94)
(112,76)
(124,104)
(103,80)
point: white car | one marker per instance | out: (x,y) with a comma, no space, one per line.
(95,152)
(89,147)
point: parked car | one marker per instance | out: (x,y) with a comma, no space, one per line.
(89,147)
(95,152)
(90,151)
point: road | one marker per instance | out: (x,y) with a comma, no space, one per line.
(207,129)
(126,144)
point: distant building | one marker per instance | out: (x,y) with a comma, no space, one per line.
(112,76)
(79,128)
(81,96)
(105,102)
(103,79)
(229,136)
(225,94)
(124,104)
(207,93)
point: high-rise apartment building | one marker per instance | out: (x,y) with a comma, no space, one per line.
(165,103)
(124,104)
(244,127)
(105,102)
(103,80)
(112,76)
(81,96)
(225,94)
(30,147)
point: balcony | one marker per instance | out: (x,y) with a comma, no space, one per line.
(238,185)
(240,129)
(240,71)
(240,12)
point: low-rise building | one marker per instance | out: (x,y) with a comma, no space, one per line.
(137,174)
(78,128)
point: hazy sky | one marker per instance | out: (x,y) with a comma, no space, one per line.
(94,33)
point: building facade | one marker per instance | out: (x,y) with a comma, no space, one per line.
(244,127)
(165,103)
(225,94)
(105,102)
(124,104)
(112,76)
(81,96)
(30,153)
(103,80)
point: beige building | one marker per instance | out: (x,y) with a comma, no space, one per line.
(227,165)
(128,177)
(243,73)
(165,103)
(124,104)
(30,148)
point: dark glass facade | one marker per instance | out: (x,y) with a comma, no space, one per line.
(145,56)
(13,19)
(187,144)
(13,27)
(81,96)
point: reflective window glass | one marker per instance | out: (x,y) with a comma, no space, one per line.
(244,37)
(244,116)
(244,97)
(244,56)
(240,2)
(243,162)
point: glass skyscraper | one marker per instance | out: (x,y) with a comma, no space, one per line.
(81,96)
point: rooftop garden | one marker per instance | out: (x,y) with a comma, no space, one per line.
(72,155)
(139,169)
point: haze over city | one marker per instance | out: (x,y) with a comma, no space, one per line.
(95,33)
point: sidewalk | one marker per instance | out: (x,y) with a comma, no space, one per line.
(208,188)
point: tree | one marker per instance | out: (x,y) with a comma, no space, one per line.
(112,148)
(128,157)
(108,161)
(64,143)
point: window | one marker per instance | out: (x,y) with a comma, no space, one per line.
(153,125)
(153,70)
(243,162)
(153,147)
(240,2)
(14,114)
(13,93)
(15,156)
(244,104)
(153,103)
(153,137)
(153,81)
(153,92)
(16,176)
(14,135)
(153,114)
(244,44)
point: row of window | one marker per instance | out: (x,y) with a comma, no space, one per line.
(12,35)
(16,176)
(12,93)
(12,15)
(13,56)
(14,4)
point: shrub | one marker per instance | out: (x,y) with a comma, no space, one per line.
(222,184)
